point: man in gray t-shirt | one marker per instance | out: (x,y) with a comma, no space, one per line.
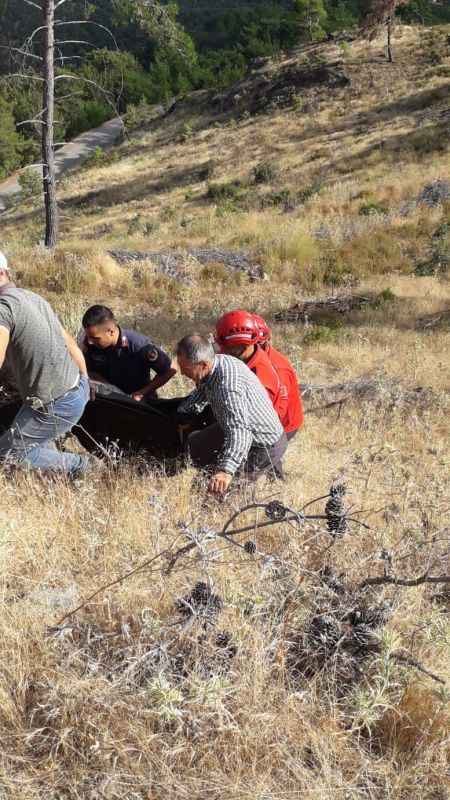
(50,374)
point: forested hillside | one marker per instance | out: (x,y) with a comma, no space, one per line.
(118,59)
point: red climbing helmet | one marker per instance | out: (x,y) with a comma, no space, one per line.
(264,332)
(236,327)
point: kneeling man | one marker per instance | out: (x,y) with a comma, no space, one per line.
(123,358)
(247,434)
(50,374)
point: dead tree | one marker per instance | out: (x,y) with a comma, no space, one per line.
(153,17)
(37,59)
(48,126)
(382,14)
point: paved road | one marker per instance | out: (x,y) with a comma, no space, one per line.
(71,155)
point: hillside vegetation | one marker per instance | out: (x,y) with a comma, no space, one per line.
(293,677)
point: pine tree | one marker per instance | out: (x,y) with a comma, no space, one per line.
(311,15)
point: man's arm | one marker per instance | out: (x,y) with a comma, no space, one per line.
(194,403)
(4,342)
(75,352)
(238,441)
(157,360)
(155,383)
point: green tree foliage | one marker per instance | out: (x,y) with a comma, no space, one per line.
(157,49)
(312,17)
(11,143)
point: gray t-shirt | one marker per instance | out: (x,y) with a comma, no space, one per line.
(37,354)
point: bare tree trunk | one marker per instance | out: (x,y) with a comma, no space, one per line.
(389,40)
(48,153)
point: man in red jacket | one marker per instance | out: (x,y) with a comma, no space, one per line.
(237,335)
(286,372)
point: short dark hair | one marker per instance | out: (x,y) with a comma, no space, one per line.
(96,315)
(196,348)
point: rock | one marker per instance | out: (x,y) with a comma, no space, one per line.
(435,193)
(55,599)
(173,264)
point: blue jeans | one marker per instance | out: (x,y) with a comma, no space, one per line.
(31,439)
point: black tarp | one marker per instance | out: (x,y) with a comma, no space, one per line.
(115,419)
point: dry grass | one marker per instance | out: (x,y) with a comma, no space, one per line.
(129,701)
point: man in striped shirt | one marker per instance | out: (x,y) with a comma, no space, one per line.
(247,434)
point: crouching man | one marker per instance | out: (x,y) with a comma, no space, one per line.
(50,374)
(247,435)
(123,358)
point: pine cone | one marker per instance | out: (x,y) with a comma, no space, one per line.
(335,510)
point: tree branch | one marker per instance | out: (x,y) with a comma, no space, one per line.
(24,77)
(391,579)
(31,3)
(406,658)
(18,50)
(89,22)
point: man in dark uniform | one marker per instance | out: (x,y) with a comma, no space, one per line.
(123,358)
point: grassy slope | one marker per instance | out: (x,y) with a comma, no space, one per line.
(72,726)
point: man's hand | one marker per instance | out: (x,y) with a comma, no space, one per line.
(219,483)
(138,396)
(92,390)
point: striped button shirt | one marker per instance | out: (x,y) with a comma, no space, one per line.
(242,408)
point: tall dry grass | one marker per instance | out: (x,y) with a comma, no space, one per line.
(131,700)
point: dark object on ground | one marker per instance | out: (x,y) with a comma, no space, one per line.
(200,602)
(434,194)
(335,511)
(309,309)
(385,393)
(332,580)
(116,423)
(269,88)
(440,319)
(173,264)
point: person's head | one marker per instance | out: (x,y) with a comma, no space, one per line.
(195,356)
(100,327)
(237,334)
(5,275)
(264,332)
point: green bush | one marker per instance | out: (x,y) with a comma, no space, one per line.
(309,191)
(323,333)
(11,143)
(265,172)
(30,182)
(282,197)
(372,208)
(384,298)
(232,190)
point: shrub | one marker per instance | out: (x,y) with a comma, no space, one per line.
(225,191)
(323,333)
(309,191)
(438,261)
(265,172)
(336,270)
(296,247)
(297,103)
(30,182)
(372,208)
(11,142)
(187,132)
(283,197)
